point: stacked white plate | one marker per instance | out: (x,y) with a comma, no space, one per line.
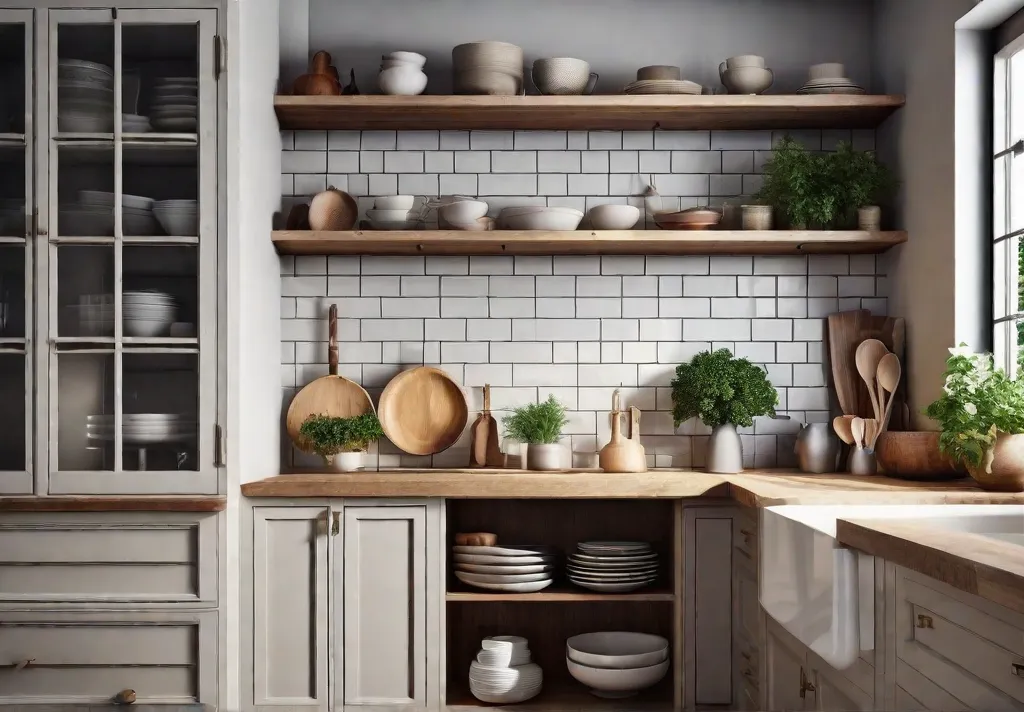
(142,428)
(148,313)
(662,86)
(134,123)
(175,104)
(137,216)
(613,566)
(95,314)
(85,97)
(517,568)
(829,79)
(178,217)
(502,672)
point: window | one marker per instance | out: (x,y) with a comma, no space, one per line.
(1008,207)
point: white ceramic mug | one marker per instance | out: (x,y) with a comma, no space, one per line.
(828,70)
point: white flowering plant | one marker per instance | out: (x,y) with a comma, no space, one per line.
(978,402)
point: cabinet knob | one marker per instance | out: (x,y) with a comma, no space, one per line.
(924,621)
(125,697)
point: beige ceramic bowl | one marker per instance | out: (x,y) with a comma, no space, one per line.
(659,71)
(747,80)
(487,82)
(745,60)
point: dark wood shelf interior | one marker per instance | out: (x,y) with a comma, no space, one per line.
(560,591)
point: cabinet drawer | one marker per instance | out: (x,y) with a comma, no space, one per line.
(965,645)
(128,557)
(88,658)
(745,536)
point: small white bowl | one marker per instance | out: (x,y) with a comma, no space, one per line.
(414,58)
(617,650)
(554,219)
(394,202)
(827,70)
(402,81)
(613,217)
(617,682)
(388,214)
(463,211)
(747,80)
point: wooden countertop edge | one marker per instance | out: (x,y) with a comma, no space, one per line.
(972,563)
(205,503)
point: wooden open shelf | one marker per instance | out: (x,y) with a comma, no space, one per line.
(565,696)
(559,592)
(584,242)
(585,113)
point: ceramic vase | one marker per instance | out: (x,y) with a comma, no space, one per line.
(869,218)
(545,456)
(725,451)
(817,448)
(347,461)
(1002,467)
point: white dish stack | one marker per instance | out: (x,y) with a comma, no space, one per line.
(503,672)
(178,217)
(142,428)
(613,566)
(175,104)
(491,68)
(136,212)
(148,313)
(617,664)
(829,78)
(85,97)
(516,568)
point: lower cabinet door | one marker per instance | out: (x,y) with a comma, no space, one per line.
(835,693)
(291,601)
(783,658)
(381,631)
(87,658)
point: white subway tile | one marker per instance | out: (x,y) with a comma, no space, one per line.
(605,140)
(807,398)
(576,264)
(410,352)
(521,352)
(564,352)
(547,140)
(287,307)
(287,184)
(461,184)
(343,162)
(639,352)
(588,184)
(862,264)
(445,265)
(311,286)
(558,285)
(725,185)
(670,286)
(672,265)
(577,140)
(655,374)
(371,161)
(661,330)
(809,375)
(552,184)
(623,265)
(380,140)
(771,330)
(556,329)
(819,286)
(514,161)
(558,161)
(643,140)
(696,161)
(463,307)
(358,185)
(599,308)
(491,140)
(445,329)
(875,306)
(732,308)
(717,286)
(497,375)
(472,161)
(287,140)
(848,286)
(732,264)
(642,286)
(628,184)
(685,140)
(352,307)
(822,307)
(420,287)
(287,263)
(756,351)
(765,307)
(556,307)
(620,330)
(418,140)
(310,264)
(639,307)
(737,162)
(780,264)
(594,162)
(604,374)
(383,184)
(792,286)
(828,264)
(755,287)
(288,376)
(392,329)
(535,374)
(808,329)
(464,352)
(588,352)
(752,184)
(741,140)
(512,307)
(690,307)
(343,140)
(655,162)
(611,352)
(464,286)
(439,161)
(488,330)
(304,162)
(716,329)
(791,352)
(676,352)
(604,286)
(791,307)
(419,184)
(310,184)
(454,140)
(518,286)
(529,264)
(287,352)
(484,264)
(624,162)
(380,286)
(406,308)
(507,184)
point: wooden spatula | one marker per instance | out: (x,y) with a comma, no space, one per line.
(485,451)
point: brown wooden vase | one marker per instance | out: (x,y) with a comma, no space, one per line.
(1002,468)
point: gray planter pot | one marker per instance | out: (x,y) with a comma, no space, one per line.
(725,451)
(545,456)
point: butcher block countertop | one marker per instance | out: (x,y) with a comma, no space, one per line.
(752,488)
(984,566)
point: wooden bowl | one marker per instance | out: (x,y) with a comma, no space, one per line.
(423,411)
(476,539)
(914,455)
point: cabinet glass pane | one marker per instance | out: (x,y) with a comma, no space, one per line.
(85,290)
(85,190)
(161,187)
(162,60)
(85,411)
(13,222)
(85,78)
(13,420)
(12,292)
(160,291)
(12,78)
(161,407)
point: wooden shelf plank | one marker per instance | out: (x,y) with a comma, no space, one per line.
(558,593)
(610,112)
(566,696)
(584,242)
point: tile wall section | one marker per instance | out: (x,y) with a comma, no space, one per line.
(575,326)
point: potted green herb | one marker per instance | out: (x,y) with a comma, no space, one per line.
(341,442)
(797,184)
(863,182)
(539,425)
(981,413)
(724,392)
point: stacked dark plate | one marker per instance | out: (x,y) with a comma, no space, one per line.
(613,566)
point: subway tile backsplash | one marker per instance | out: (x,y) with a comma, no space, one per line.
(575,326)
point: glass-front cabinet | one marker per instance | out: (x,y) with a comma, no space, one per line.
(111,259)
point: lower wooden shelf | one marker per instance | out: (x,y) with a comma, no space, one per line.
(559,593)
(584,242)
(571,697)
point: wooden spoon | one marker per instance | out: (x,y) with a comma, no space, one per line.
(871,430)
(889,373)
(842,425)
(868,354)
(857,428)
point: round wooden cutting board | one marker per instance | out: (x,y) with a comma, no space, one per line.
(423,411)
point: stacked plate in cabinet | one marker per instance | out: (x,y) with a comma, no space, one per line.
(142,428)
(515,568)
(85,97)
(178,217)
(613,566)
(137,217)
(175,104)
(148,313)
(503,672)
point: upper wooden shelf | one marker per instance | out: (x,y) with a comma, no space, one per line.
(584,242)
(614,112)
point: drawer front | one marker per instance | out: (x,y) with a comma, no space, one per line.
(745,535)
(748,607)
(88,658)
(967,651)
(130,557)
(914,692)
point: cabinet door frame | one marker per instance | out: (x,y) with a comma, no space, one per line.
(22,481)
(208,478)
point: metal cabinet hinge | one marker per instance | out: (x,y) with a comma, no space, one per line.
(220,448)
(924,621)
(335,523)
(218,56)
(1017,669)
(113,13)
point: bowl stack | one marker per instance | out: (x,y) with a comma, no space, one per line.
(829,78)
(148,313)
(85,97)
(613,566)
(394,212)
(689,219)
(745,74)
(661,79)
(401,74)
(137,216)
(516,568)
(142,428)
(175,104)
(178,217)
(493,68)
(540,218)
(503,673)
(617,664)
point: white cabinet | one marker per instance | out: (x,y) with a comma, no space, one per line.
(786,683)
(346,605)
(834,692)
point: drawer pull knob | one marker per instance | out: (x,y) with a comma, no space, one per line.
(22,664)
(1017,669)
(924,621)
(124,697)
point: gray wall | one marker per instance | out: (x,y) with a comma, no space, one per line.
(615,36)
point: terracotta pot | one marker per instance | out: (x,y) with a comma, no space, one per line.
(1002,468)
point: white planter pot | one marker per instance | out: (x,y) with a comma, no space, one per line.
(869,218)
(545,456)
(347,461)
(725,451)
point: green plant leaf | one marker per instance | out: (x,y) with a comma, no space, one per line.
(719,389)
(329,435)
(537,423)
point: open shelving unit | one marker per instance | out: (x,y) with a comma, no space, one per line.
(585,113)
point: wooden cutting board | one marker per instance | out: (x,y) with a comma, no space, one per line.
(484,450)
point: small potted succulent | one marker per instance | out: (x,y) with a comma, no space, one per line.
(981,413)
(724,392)
(539,426)
(341,442)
